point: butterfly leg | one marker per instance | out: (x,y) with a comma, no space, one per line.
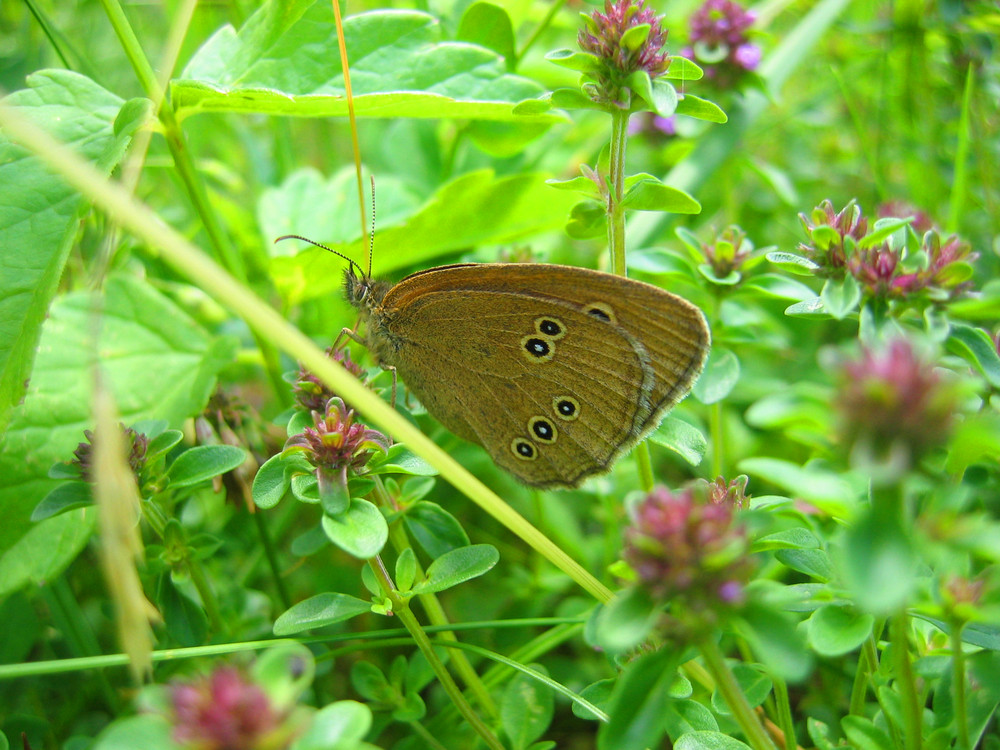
(392,369)
(352,334)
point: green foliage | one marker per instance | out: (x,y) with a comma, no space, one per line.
(835,203)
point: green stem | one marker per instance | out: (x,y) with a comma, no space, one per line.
(272,559)
(436,614)
(958,686)
(401,608)
(784,711)
(208,599)
(726,684)
(912,708)
(644,463)
(616,192)
(718,438)
(867,664)
(426,736)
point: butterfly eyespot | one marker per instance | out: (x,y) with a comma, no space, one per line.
(567,407)
(537,349)
(543,429)
(550,327)
(601,311)
(523,449)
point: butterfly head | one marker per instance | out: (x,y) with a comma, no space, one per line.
(361,290)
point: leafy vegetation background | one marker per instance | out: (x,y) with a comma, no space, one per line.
(875,102)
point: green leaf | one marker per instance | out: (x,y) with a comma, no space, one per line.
(271,483)
(864,735)
(825,489)
(683,716)
(399,460)
(754,684)
(148,731)
(361,531)
(975,346)
(526,709)
(458,566)
(635,36)
(162,443)
(66,496)
(840,298)
(489,26)
(477,208)
(285,671)
(588,219)
(683,69)
(406,570)
(707,740)
(775,641)
(774,285)
(338,726)
(203,462)
(636,715)
(719,377)
(653,195)
(879,562)
(371,684)
(580,184)
(658,95)
(793,263)
(400,67)
(797,538)
(318,612)
(40,214)
(682,438)
(701,109)
(625,621)
(186,621)
(156,361)
(435,529)
(836,629)
(583,62)
(597,693)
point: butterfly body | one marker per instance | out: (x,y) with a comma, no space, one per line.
(554,370)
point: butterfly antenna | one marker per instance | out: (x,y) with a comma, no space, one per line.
(371,235)
(317,244)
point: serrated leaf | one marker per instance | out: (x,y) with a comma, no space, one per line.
(319,611)
(203,462)
(458,566)
(400,67)
(40,213)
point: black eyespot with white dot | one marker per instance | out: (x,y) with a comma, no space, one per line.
(538,349)
(523,449)
(566,407)
(550,327)
(542,429)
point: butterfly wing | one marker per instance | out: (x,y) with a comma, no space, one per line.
(554,370)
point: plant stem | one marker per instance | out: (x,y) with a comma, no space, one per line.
(726,684)
(784,710)
(867,664)
(401,608)
(272,559)
(905,683)
(958,686)
(616,191)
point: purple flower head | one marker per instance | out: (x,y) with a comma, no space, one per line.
(684,548)
(720,42)
(832,237)
(336,444)
(891,398)
(609,36)
(135,442)
(728,251)
(222,711)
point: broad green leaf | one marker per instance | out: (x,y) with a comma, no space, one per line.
(879,562)
(775,285)
(399,460)
(583,62)
(458,566)
(708,740)
(338,726)
(797,538)
(754,684)
(840,298)
(625,621)
(683,69)
(361,531)
(203,462)
(636,709)
(793,263)
(653,195)
(587,219)
(184,619)
(864,735)
(148,731)
(659,96)
(775,641)
(489,26)
(526,709)
(700,109)
(435,529)
(719,378)
(66,496)
(284,60)
(835,630)
(40,214)
(406,569)
(683,716)
(319,611)
(270,483)
(823,488)
(155,360)
(285,671)
(478,208)
(371,682)
(682,438)
(976,347)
